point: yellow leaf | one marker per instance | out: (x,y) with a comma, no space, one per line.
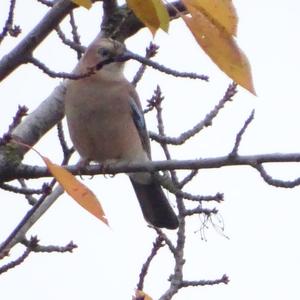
(152,13)
(162,14)
(85,3)
(78,191)
(220,12)
(142,295)
(221,48)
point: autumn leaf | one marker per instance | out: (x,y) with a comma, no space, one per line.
(152,13)
(141,295)
(85,3)
(220,12)
(78,191)
(221,47)
(162,14)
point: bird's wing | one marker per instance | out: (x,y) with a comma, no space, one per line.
(140,124)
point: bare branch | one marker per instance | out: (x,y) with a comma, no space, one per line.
(188,178)
(51,110)
(46,2)
(199,210)
(8,26)
(48,249)
(199,198)
(150,52)
(72,44)
(158,243)
(24,49)
(32,243)
(157,101)
(230,92)
(29,219)
(51,20)
(61,136)
(165,238)
(276,182)
(186,283)
(241,133)
(109,7)
(51,73)
(176,277)
(21,112)
(162,68)
(23,191)
(75,35)
(26,171)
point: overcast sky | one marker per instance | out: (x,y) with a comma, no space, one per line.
(261,253)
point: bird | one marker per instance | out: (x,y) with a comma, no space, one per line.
(106,124)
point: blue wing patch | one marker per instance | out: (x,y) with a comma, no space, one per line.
(137,116)
(140,124)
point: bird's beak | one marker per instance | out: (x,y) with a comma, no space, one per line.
(126,55)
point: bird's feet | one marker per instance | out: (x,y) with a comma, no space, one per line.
(104,166)
(81,165)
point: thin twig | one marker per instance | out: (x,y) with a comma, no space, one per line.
(199,210)
(161,130)
(188,178)
(161,68)
(240,134)
(46,2)
(230,92)
(26,46)
(73,45)
(150,52)
(178,250)
(276,182)
(51,248)
(158,243)
(75,35)
(18,234)
(63,143)
(64,75)
(31,244)
(17,190)
(187,283)
(16,262)
(21,112)
(53,74)
(8,26)
(165,238)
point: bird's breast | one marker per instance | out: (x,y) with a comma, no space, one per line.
(100,123)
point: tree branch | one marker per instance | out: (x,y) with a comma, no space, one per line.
(240,134)
(158,243)
(230,92)
(9,21)
(186,283)
(24,49)
(27,172)
(29,219)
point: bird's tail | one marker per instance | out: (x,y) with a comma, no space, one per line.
(154,204)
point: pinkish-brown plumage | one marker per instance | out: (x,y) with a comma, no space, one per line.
(106,123)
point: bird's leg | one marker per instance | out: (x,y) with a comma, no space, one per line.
(81,165)
(104,165)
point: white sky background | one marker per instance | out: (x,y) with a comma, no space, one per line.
(261,256)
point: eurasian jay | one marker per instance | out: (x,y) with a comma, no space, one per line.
(106,124)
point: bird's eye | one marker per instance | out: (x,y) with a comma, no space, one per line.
(103,52)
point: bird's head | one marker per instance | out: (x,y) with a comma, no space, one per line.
(103,55)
